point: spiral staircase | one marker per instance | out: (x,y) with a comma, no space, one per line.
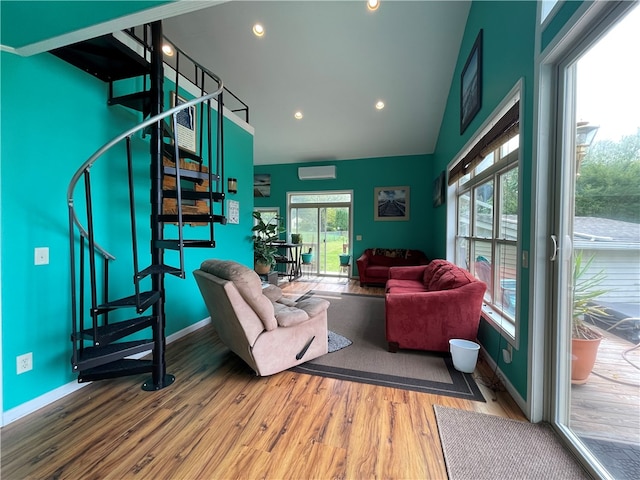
(104,347)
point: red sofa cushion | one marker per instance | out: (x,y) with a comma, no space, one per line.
(374,263)
(442,275)
(395,285)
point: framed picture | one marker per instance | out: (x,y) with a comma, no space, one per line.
(471,85)
(186,120)
(262,185)
(391,203)
(438,190)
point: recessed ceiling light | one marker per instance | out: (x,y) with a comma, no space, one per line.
(298,115)
(167,49)
(380,105)
(373,5)
(258,30)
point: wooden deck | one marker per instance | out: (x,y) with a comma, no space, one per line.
(608,405)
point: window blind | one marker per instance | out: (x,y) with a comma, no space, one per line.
(506,128)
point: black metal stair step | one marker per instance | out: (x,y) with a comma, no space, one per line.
(194,218)
(159,269)
(169,151)
(192,175)
(117,330)
(146,300)
(140,101)
(193,195)
(91,357)
(119,368)
(104,57)
(175,244)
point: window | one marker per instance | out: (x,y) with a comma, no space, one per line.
(546,8)
(486,211)
(269,214)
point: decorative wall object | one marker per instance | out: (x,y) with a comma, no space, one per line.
(439,190)
(233,211)
(391,203)
(262,185)
(232,185)
(471,85)
(186,120)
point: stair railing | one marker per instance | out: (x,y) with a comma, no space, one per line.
(84,172)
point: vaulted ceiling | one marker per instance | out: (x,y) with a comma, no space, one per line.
(330,60)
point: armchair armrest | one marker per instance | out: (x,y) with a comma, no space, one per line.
(408,273)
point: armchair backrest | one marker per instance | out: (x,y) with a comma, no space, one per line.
(233,296)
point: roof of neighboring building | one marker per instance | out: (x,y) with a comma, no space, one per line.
(605,230)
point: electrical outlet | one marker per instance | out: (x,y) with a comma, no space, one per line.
(507,354)
(24,363)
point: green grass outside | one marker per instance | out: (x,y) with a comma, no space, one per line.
(333,248)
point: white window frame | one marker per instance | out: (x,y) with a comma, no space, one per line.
(509,329)
(491,309)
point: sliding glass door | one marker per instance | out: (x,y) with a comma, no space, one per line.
(596,255)
(323,220)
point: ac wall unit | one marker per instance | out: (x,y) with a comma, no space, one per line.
(317,173)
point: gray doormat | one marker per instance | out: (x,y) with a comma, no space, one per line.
(622,460)
(480,446)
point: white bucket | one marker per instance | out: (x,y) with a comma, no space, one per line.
(464,354)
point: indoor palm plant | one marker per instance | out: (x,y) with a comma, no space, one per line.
(263,236)
(585,340)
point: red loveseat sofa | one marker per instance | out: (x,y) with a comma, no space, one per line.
(374,263)
(428,305)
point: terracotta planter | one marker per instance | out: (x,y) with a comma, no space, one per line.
(261,268)
(583,358)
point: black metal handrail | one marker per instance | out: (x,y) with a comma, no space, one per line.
(144,43)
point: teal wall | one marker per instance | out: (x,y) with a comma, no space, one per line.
(77,15)
(53,117)
(555,24)
(363,176)
(508,55)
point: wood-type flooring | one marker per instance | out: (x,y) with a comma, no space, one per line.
(218,420)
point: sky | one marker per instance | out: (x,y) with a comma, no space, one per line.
(609,81)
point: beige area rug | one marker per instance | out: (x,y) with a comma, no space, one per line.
(361,319)
(479,446)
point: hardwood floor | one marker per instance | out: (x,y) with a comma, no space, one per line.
(218,420)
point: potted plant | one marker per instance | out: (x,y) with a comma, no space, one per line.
(263,236)
(585,340)
(307,257)
(296,238)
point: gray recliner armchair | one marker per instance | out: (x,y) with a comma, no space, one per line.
(268,331)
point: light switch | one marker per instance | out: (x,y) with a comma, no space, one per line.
(41,256)
(359,238)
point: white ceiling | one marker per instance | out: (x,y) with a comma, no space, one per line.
(332,61)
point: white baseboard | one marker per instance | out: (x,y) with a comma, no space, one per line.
(507,384)
(43,400)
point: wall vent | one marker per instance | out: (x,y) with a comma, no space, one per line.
(317,173)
